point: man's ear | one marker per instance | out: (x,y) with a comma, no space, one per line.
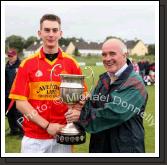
(124,55)
(39,33)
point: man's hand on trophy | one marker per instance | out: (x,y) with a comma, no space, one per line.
(54,128)
(72,115)
(78,106)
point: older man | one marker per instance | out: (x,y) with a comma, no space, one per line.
(113,114)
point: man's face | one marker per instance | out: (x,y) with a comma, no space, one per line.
(113,57)
(12,58)
(50,33)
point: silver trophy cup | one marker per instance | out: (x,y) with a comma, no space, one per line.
(71,90)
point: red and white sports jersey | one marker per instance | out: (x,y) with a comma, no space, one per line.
(33,83)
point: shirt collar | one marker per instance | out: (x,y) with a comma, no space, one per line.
(120,71)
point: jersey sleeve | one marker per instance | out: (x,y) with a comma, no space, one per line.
(20,86)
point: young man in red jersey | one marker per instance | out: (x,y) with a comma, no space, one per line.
(35,90)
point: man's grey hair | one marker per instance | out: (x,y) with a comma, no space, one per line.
(123,47)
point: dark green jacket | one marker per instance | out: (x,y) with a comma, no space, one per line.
(113,114)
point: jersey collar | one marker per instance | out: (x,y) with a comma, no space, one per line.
(42,54)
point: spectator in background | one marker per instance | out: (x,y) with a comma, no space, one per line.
(135,66)
(149,77)
(10,73)
(152,67)
(152,72)
(146,66)
(141,65)
(147,80)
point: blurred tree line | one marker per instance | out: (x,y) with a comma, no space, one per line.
(21,43)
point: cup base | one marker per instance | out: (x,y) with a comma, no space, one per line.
(72,139)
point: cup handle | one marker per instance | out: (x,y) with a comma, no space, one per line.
(92,76)
(53,71)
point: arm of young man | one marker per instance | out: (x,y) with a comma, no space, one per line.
(26,109)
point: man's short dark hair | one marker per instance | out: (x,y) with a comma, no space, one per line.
(50,17)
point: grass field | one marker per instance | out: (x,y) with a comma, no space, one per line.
(12,143)
(91,60)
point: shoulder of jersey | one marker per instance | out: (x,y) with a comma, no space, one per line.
(29,59)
